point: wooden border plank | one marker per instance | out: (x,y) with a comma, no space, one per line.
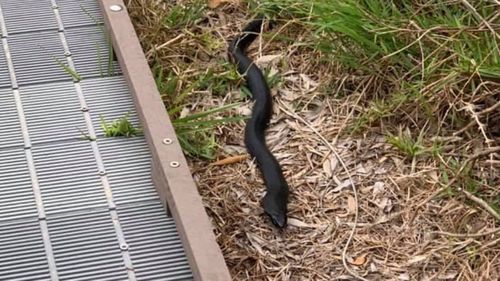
(170,171)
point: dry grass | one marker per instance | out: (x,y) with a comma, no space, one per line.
(422,202)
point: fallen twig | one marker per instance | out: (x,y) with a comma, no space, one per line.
(230,160)
(481,203)
(468,235)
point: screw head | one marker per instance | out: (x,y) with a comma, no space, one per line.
(102,173)
(174,164)
(167,141)
(115,8)
(123,247)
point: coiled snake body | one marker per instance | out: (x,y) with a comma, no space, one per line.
(276,198)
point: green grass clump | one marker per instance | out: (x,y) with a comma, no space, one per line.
(121,127)
(196,131)
(426,57)
(184,54)
(406,144)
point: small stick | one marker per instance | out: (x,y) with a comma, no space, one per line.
(466,235)
(481,203)
(230,160)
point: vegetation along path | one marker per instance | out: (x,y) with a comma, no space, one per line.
(386,123)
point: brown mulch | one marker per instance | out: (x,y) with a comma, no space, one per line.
(405,229)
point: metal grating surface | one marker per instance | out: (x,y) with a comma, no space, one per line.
(85,246)
(128,166)
(16,195)
(4,71)
(68,177)
(10,129)
(154,243)
(53,112)
(22,256)
(36,56)
(73,208)
(109,98)
(79,12)
(28,15)
(90,51)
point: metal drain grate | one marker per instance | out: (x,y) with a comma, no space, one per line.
(79,12)
(22,256)
(74,205)
(109,97)
(28,15)
(16,195)
(128,167)
(36,55)
(10,130)
(85,246)
(90,50)
(52,112)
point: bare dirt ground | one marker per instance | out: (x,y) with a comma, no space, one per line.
(405,228)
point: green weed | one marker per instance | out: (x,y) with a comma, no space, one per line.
(406,144)
(196,131)
(110,64)
(119,127)
(66,68)
(180,16)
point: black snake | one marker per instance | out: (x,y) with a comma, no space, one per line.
(276,198)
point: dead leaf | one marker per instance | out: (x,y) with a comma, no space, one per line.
(404,276)
(184,112)
(343,185)
(360,169)
(327,168)
(360,260)
(263,61)
(333,162)
(244,110)
(351,204)
(378,188)
(448,276)
(233,149)
(417,259)
(298,223)
(230,160)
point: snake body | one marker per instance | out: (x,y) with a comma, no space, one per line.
(276,198)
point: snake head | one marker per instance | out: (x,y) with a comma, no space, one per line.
(276,210)
(279,220)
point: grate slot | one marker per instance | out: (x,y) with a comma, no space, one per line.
(80,255)
(36,57)
(75,13)
(22,255)
(155,246)
(110,98)
(128,168)
(57,165)
(4,72)
(90,52)
(16,194)
(28,15)
(53,112)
